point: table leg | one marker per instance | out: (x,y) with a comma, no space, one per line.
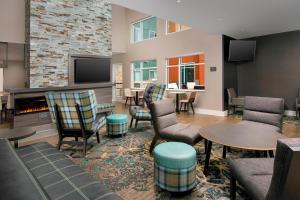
(136,98)
(224,151)
(177,103)
(16,144)
(271,153)
(208,151)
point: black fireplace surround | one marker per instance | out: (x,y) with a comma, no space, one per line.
(30,105)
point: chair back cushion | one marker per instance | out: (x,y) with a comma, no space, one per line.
(286,175)
(163,114)
(231,93)
(264,110)
(66,102)
(153,93)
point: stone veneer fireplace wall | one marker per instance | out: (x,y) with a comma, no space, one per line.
(56,29)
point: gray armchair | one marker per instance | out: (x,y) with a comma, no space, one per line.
(264,112)
(234,101)
(166,126)
(268,178)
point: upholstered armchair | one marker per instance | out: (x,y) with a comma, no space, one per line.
(269,178)
(234,101)
(75,115)
(152,93)
(166,126)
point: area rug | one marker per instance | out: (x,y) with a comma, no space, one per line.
(126,167)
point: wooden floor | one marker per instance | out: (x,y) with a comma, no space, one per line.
(289,129)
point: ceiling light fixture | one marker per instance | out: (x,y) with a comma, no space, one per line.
(178,1)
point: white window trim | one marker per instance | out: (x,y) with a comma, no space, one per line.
(179,67)
(167,26)
(141,69)
(132,30)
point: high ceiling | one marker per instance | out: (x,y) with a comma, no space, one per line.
(235,18)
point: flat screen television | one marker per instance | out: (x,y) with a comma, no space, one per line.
(92,70)
(241,50)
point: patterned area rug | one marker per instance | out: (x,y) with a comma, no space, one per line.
(125,165)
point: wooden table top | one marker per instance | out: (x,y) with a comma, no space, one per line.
(137,89)
(17,133)
(242,136)
(177,92)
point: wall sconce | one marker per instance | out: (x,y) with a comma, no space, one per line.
(3,54)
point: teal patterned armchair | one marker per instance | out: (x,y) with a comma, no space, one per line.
(153,92)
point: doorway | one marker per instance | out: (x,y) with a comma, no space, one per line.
(118,80)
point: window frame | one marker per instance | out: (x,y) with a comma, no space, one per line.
(142,30)
(141,69)
(180,64)
(167,28)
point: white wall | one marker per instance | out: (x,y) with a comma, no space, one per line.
(119,29)
(164,46)
(12,21)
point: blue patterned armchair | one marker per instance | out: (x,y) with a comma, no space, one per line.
(153,92)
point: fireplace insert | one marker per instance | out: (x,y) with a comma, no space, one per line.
(30,105)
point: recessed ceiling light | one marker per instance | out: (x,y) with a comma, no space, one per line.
(178,1)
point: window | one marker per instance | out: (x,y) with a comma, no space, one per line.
(144,29)
(144,72)
(173,27)
(185,72)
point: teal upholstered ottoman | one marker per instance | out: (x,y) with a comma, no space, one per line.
(117,124)
(175,166)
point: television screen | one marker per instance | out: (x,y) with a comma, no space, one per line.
(241,50)
(92,70)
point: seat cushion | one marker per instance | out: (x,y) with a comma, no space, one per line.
(260,125)
(254,174)
(138,112)
(99,123)
(174,155)
(186,133)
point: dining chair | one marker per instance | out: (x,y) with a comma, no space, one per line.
(234,101)
(128,95)
(188,102)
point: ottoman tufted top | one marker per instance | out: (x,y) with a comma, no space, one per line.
(117,118)
(175,155)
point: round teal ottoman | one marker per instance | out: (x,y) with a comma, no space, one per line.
(117,124)
(175,166)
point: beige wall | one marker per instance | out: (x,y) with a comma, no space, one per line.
(119,28)
(186,42)
(14,74)
(12,21)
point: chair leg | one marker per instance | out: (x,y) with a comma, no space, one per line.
(181,104)
(154,140)
(59,143)
(126,101)
(192,108)
(84,146)
(76,139)
(232,188)
(136,123)
(205,146)
(98,137)
(131,122)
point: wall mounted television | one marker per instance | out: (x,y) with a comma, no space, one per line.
(241,50)
(91,70)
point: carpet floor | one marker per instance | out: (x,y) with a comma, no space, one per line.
(125,165)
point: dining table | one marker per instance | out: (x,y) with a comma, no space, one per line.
(137,90)
(177,93)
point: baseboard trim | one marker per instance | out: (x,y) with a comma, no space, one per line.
(211,112)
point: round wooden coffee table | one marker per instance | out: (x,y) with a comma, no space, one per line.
(16,134)
(239,136)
